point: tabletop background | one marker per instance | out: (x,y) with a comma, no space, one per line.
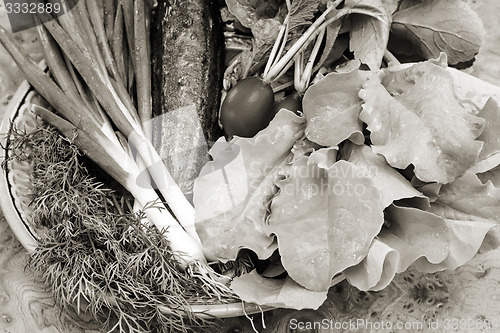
(471,292)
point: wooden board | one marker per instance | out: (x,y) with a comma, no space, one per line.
(470,293)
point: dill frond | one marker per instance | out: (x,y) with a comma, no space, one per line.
(97,255)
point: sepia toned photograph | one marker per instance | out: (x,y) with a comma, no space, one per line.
(249,166)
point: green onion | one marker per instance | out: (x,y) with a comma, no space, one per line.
(108,154)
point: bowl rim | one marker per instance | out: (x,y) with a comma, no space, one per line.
(27,237)
(12,214)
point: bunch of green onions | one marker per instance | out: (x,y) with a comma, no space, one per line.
(89,87)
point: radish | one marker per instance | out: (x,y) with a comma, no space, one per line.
(249,105)
(246,108)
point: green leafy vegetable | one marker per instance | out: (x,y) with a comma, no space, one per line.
(390,183)
(301,14)
(415,118)
(324,216)
(232,193)
(283,293)
(459,35)
(416,235)
(430,242)
(331,108)
(491,114)
(369,31)
(472,92)
(376,270)
(489,157)
(467,198)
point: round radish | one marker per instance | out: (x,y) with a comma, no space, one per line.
(247,107)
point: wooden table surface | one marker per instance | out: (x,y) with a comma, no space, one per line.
(421,301)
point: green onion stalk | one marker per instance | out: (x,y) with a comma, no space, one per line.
(93,119)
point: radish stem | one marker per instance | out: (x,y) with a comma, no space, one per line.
(299,44)
(297,74)
(390,58)
(306,75)
(277,47)
(283,86)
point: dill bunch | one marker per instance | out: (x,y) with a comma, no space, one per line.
(97,255)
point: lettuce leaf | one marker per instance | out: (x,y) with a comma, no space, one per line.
(282,293)
(232,192)
(369,30)
(464,238)
(377,270)
(467,198)
(472,92)
(331,108)
(460,35)
(416,237)
(472,198)
(391,184)
(415,118)
(489,157)
(325,217)
(492,176)
(415,234)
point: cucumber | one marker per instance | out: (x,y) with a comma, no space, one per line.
(187,72)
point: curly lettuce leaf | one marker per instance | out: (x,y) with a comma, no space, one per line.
(369,30)
(472,197)
(465,239)
(415,118)
(420,238)
(325,217)
(331,108)
(415,234)
(472,92)
(377,270)
(280,293)
(232,192)
(467,198)
(460,35)
(390,183)
(492,176)
(489,157)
